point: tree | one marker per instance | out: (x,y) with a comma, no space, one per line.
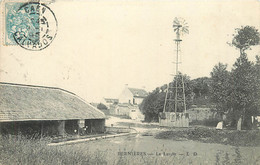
(257,83)
(243,87)
(200,89)
(245,37)
(102,106)
(153,104)
(244,80)
(201,86)
(220,87)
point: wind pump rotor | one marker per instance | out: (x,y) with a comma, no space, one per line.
(181,27)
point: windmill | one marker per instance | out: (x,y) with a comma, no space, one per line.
(180,26)
(175,93)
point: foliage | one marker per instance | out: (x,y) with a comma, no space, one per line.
(200,91)
(102,106)
(245,37)
(220,87)
(243,96)
(152,105)
(201,86)
(257,83)
(154,102)
(212,122)
(237,92)
(207,135)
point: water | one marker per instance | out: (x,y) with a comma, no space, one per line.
(138,149)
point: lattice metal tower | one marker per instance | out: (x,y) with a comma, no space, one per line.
(175,93)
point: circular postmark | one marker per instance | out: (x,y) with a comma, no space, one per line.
(37,27)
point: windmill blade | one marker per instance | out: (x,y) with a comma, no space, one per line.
(185,27)
(176,21)
(184,23)
(180,26)
(185,31)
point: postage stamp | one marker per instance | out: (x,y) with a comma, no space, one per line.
(31,25)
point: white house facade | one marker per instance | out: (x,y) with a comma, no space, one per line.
(133,96)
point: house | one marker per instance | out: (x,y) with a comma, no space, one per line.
(128,102)
(128,110)
(46,111)
(109,101)
(133,96)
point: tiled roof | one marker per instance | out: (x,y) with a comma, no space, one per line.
(26,102)
(138,92)
(110,100)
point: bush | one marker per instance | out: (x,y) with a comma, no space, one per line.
(206,122)
(207,135)
(102,106)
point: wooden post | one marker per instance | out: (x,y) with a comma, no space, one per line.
(41,129)
(90,126)
(239,123)
(61,127)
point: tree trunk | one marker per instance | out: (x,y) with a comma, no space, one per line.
(239,123)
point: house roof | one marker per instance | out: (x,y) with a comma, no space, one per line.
(110,100)
(126,105)
(138,92)
(26,102)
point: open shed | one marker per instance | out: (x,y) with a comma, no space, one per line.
(48,111)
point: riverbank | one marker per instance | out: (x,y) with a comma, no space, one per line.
(248,138)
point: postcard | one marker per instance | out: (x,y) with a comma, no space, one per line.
(129,82)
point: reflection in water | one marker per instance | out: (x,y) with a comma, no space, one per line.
(217,159)
(225,157)
(238,156)
(166,151)
(226,160)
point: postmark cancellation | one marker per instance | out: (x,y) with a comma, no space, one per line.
(31,25)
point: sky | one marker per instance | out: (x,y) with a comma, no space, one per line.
(102,45)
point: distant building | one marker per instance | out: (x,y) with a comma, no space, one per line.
(29,109)
(127,103)
(133,96)
(109,101)
(128,110)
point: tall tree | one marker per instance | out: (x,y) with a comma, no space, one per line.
(245,37)
(220,87)
(243,78)
(257,83)
(243,88)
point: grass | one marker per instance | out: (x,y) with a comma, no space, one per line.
(250,138)
(21,150)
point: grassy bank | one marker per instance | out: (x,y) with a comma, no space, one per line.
(207,135)
(20,150)
(23,151)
